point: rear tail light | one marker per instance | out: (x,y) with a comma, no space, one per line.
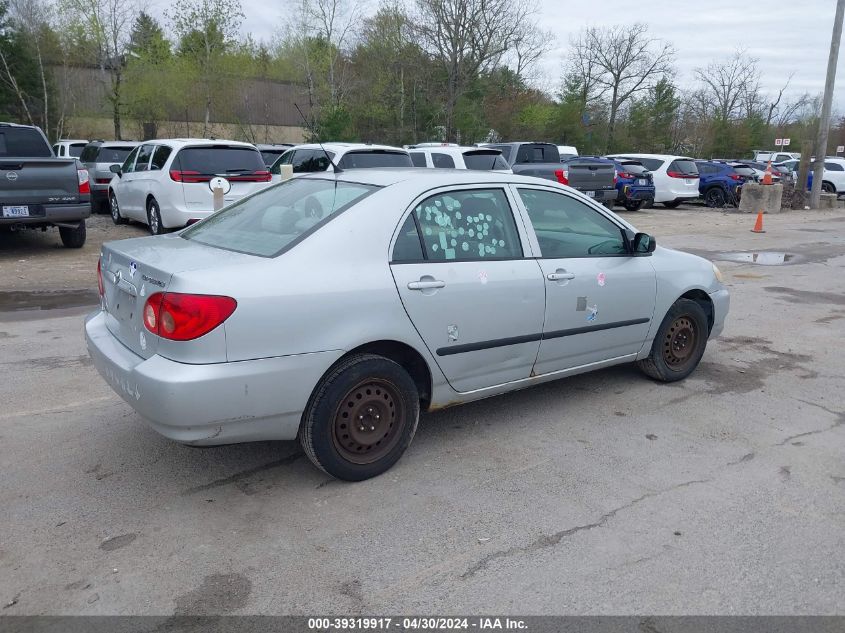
(615,177)
(103,181)
(256,176)
(680,174)
(625,174)
(84,181)
(188,176)
(184,317)
(562,176)
(735,176)
(100,288)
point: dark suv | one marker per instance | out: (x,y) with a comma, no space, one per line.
(720,183)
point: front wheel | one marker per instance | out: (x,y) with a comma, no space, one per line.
(73,237)
(115,210)
(679,343)
(361,418)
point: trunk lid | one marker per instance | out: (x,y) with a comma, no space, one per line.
(38,180)
(591,176)
(136,268)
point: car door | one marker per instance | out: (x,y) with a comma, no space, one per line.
(599,297)
(139,182)
(121,186)
(469,287)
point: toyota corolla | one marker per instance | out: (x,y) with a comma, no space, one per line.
(335,307)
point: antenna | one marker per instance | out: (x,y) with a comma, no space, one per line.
(337,169)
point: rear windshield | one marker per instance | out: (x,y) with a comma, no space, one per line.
(537,153)
(23,142)
(485,160)
(75,150)
(686,167)
(744,171)
(106,154)
(634,168)
(219,159)
(653,164)
(270,221)
(374,158)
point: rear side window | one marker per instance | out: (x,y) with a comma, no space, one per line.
(703,168)
(143,161)
(442,161)
(267,223)
(374,159)
(653,164)
(418,159)
(744,171)
(310,160)
(220,159)
(111,154)
(129,164)
(160,157)
(407,247)
(485,161)
(468,225)
(89,154)
(23,142)
(833,167)
(685,167)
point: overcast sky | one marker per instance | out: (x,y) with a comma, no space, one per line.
(787,36)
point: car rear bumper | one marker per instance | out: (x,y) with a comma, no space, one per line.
(53,214)
(602,195)
(631,192)
(721,304)
(218,403)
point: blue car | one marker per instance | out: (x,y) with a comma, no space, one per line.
(721,183)
(634,184)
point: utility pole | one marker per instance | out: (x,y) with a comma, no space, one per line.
(824,121)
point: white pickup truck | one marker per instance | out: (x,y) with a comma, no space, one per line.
(776,157)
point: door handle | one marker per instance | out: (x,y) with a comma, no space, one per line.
(560,276)
(426,285)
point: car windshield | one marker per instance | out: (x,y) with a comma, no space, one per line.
(684,166)
(267,223)
(23,142)
(374,158)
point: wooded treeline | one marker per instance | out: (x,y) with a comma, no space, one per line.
(419,70)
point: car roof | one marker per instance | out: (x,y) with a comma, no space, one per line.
(341,148)
(72,140)
(201,141)
(385,177)
(659,156)
(455,150)
(115,143)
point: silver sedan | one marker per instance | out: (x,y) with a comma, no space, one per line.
(333,308)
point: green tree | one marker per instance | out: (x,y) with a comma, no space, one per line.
(149,75)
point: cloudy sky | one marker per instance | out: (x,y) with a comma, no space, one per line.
(787,36)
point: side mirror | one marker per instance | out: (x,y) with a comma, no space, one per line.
(643,243)
(115,169)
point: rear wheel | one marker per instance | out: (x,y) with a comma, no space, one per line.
(154,218)
(608,204)
(115,210)
(73,237)
(679,344)
(715,198)
(828,187)
(361,418)
(672,204)
(634,205)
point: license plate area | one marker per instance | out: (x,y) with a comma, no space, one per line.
(590,194)
(642,182)
(16,211)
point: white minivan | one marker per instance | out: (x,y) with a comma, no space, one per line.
(455,157)
(676,178)
(165,183)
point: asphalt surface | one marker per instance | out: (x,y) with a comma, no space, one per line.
(600,494)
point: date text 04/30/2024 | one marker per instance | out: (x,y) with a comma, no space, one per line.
(415,623)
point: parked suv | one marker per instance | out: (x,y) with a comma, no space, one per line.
(270,152)
(98,157)
(313,157)
(675,177)
(721,183)
(478,158)
(634,184)
(165,184)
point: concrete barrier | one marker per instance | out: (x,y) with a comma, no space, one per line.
(756,198)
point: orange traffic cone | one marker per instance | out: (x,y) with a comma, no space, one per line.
(758,226)
(767,177)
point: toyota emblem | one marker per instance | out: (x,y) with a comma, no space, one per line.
(11,176)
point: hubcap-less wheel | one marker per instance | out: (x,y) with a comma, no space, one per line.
(828,188)
(154,218)
(115,210)
(680,343)
(368,421)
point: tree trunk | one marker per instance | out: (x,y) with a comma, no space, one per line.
(117,79)
(611,123)
(46,118)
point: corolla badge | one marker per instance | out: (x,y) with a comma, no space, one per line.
(133,268)
(11,176)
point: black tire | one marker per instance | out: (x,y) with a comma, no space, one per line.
(101,207)
(679,343)
(827,187)
(115,210)
(154,218)
(73,238)
(672,204)
(715,198)
(376,393)
(608,204)
(634,205)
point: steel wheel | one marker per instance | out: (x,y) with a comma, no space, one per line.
(368,421)
(154,218)
(680,343)
(115,210)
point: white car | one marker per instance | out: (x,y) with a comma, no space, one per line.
(165,183)
(833,179)
(478,158)
(313,157)
(567,151)
(676,178)
(70,148)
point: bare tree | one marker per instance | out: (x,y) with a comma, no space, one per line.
(468,37)
(33,18)
(105,25)
(729,83)
(333,21)
(622,61)
(528,47)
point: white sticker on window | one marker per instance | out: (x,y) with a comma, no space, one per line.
(464,246)
(450,253)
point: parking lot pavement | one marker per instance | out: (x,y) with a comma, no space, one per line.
(602,493)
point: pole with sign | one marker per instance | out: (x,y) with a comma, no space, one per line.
(778,142)
(840,149)
(786,142)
